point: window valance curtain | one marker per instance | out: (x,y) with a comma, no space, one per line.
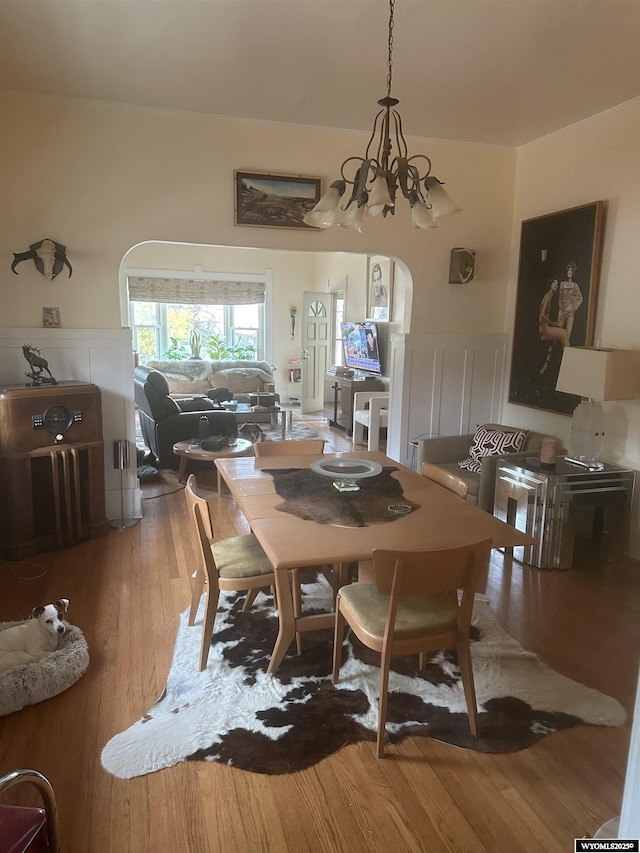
(188,291)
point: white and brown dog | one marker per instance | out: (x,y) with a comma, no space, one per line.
(34,639)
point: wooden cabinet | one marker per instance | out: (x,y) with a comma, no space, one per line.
(338,397)
(51,467)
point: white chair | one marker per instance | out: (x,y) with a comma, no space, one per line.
(370,409)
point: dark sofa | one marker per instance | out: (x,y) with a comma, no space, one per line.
(164,421)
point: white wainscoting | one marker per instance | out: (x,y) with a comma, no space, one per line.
(103,357)
(443,385)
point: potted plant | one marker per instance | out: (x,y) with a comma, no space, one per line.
(195,343)
(219,350)
(177,350)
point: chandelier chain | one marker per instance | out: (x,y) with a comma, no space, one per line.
(392,4)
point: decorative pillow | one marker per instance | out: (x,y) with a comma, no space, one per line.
(489,441)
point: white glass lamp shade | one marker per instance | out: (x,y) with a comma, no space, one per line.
(421,215)
(353,218)
(441,202)
(324,213)
(599,374)
(379,197)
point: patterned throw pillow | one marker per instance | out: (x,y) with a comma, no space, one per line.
(489,441)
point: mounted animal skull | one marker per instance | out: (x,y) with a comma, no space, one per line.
(48,256)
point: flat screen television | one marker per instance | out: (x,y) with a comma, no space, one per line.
(360,345)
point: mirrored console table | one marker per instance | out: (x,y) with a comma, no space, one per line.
(556,504)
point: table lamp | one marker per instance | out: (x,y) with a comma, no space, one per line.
(597,375)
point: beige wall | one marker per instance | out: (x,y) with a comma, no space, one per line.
(595,159)
(101,179)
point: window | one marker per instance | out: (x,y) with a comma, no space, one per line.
(227,311)
(162,329)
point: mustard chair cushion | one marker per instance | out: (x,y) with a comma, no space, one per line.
(240,557)
(417,614)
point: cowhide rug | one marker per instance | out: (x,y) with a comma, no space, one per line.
(310,495)
(234,713)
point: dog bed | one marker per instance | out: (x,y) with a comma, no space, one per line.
(29,683)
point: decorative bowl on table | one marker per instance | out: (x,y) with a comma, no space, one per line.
(346,472)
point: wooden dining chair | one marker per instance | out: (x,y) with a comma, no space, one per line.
(310,447)
(289,448)
(445,478)
(235,564)
(413,607)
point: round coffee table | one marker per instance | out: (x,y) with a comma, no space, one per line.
(186,451)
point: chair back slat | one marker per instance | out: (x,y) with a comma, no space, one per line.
(308,446)
(430,572)
(201,521)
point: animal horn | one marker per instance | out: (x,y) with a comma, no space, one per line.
(63,258)
(18,257)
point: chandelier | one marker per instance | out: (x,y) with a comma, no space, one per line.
(379,175)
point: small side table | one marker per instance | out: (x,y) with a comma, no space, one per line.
(186,451)
(556,504)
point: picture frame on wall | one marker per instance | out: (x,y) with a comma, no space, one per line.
(379,288)
(274,201)
(556,301)
(51,318)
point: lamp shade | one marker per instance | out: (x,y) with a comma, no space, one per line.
(421,215)
(353,218)
(441,202)
(379,197)
(599,374)
(324,213)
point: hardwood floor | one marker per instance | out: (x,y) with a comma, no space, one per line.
(127,590)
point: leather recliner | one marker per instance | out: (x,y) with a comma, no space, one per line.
(164,421)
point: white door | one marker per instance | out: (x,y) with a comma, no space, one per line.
(316,348)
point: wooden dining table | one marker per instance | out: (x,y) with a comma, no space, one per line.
(440,520)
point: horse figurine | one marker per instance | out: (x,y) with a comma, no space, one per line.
(38,364)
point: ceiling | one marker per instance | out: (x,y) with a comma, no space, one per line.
(492,71)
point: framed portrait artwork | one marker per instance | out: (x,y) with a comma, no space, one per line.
(379,288)
(274,201)
(556,302)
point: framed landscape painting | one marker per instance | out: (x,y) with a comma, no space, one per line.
(274,201)
(556,302)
